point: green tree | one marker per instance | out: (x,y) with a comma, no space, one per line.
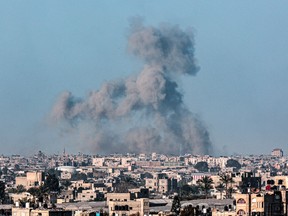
(20,189)
(226,179)
(176,205)
(202,166)
(51,183)
(65,184)
(220,188)
(5,170)
(2,191)
(233,163)
(78,176)
(205,184)
(35,191)
(16,167)
(187,191)
(53,172)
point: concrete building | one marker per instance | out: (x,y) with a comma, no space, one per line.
(124,208)
(277,152)
(86,195)
(246,203)
(39,212)
(32,179)
(160,183)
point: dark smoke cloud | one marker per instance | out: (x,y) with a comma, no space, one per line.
(143,113)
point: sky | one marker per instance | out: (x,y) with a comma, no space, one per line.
(240,92)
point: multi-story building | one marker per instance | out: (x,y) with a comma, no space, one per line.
(129,207)
(86,195)
(248,203)
(160,183)
(37,212)
(277,152)
(32,179)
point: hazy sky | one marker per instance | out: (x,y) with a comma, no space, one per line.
(47,47)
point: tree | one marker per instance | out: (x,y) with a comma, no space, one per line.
(220,188)
(2,191)
(147,175)
(176,205)
(187,191)
(231,190)
(5,170)
(65,184)
(16,167)
(78,176)
(205,184)
(54,172)
(202,166)
(226,179)
(51,183)
(37,193)
(233,163)
(20,189)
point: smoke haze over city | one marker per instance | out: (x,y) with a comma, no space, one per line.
(145,111)
(193,77)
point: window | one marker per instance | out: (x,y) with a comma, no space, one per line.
(241,212)
(241,201)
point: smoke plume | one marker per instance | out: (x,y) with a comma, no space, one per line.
(142,113)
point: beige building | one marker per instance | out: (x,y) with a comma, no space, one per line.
(277,152)
(82,184)
(125,208)
(280,181)
(223,213)
(160,183)
(98,162)
(246,201)
(32,179)
(86,195)
(117,197)
(39,212)
(121,204)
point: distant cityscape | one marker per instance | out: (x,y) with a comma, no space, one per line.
(143,184)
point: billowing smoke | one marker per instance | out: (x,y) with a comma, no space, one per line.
(145,112)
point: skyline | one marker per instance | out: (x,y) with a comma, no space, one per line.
(240,91)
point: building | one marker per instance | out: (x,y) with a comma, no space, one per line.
(138,207)
(249,203)
(125,204)
(32,179)
(277,152)
(40,212)
(273,204)
(160,183)
(86,195)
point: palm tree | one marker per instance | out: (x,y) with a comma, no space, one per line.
(220,188)
(205,184)
(176,205)
(226,179)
